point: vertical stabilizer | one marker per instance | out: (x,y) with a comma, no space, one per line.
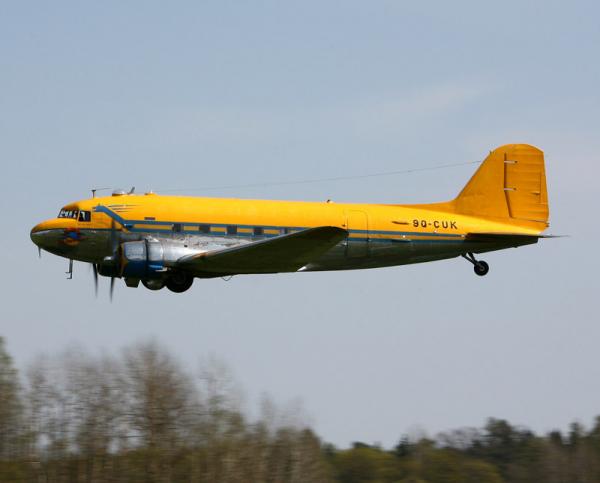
(509,184)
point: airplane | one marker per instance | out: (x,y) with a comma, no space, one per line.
(170,240)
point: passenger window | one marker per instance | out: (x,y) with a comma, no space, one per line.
(204,229)
(284,231)
(259,230)
(232,230)
(177,227)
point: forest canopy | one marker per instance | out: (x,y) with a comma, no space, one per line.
(140,416)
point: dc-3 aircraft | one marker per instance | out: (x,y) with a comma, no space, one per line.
(170,240)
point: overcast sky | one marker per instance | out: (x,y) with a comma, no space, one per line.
(190,95)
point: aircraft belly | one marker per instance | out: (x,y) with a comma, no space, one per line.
(93,245)
(392,253)
(377,254)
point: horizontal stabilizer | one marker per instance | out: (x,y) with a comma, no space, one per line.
(507,239)
(286,253)
(504,235)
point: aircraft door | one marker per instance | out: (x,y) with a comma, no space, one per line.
(357,223)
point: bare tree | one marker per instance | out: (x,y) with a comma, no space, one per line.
(96,410)
(159,406)
(10,407)
(49,417)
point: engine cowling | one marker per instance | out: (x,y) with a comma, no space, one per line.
(147,259)
(142,259)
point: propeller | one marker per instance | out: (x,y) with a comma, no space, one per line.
(112,287)
(114,251)
(113,259)
(95,269)
(114,241)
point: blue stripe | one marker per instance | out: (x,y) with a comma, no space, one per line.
(129,224)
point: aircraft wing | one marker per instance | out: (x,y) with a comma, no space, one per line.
(285,253)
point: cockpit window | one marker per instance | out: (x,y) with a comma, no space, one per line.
(68,213)
(79,215)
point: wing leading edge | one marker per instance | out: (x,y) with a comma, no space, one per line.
(286,253)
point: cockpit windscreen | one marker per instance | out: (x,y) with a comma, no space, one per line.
(80,215)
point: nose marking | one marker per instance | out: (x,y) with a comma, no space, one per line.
(72,237)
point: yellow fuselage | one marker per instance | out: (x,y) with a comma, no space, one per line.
(379,235)
(504,204)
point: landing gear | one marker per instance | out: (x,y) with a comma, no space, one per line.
(179,282)
(480,267)
(153,284)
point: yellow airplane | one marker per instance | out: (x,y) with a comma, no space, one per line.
(170,240)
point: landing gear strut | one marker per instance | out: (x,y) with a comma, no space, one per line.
(480,267)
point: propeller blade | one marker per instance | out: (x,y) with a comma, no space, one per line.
(114,239)
(39,252)
(114,247)
(95,268)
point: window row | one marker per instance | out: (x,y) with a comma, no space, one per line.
(229,229)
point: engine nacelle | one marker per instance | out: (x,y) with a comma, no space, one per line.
(142,259)
(147,259)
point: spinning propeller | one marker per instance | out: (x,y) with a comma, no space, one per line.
(95,269)
(114,253)
(111,260)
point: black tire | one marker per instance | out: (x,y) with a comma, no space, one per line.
(153,284)
(481,268)
(179,282)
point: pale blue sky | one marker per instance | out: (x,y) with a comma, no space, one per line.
(195,94)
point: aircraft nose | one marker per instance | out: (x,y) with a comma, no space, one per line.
(37,234)
(51,234)
(46,233)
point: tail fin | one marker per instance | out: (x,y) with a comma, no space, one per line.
(510,183)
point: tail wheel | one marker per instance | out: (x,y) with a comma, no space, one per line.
(179,282)
(481,268)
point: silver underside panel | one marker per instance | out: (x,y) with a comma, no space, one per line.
(93,245)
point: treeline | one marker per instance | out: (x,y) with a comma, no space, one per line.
(497,453)
(140,417)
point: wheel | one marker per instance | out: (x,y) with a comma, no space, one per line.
(179,282)
(481,268)
(153,284)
